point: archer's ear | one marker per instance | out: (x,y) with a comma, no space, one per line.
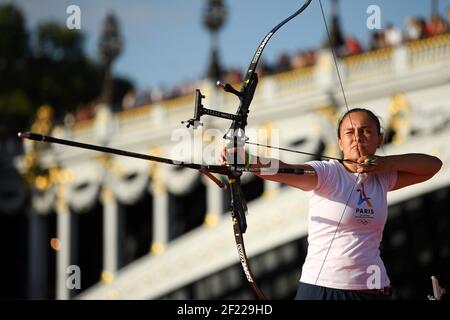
(380,140)
(340,145)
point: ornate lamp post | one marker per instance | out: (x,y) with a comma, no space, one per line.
(434,7)
(214,16)
(110,47)
(336,36)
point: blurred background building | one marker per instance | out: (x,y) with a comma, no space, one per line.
(141,230)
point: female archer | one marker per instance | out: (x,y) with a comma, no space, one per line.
(348,209)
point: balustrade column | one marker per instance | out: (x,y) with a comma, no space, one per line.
(401,60)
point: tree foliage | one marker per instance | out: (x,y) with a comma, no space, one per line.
(52,69)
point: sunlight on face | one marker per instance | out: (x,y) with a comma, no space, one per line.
(359,136)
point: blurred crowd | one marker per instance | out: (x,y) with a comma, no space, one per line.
(415,28)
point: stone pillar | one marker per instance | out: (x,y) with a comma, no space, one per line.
(63,246)
(110,235)
(214,203)
(160,213)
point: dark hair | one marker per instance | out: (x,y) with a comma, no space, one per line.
(368,112)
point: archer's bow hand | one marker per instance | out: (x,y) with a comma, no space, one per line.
(236,155)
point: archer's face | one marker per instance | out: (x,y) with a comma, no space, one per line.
(359,136)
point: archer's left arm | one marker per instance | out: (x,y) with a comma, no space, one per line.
(411,168)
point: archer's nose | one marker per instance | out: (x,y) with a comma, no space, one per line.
(358,136)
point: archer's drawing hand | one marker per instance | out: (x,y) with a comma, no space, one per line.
(372,164)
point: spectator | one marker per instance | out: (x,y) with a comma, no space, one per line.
(437,26)
(129,100)
(311,57)
(413,29)
(378,40)
(352,46)
(448,17)
(300,60)
(303,59)
(233,76)
(283,63)
(263,68)
(393,36)
(143,97)
(417,29)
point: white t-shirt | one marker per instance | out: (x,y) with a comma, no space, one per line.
(353,261)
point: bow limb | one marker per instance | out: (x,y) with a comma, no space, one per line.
(251,80)
(238,212)
(236,138)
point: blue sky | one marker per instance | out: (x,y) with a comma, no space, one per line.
(166,44)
